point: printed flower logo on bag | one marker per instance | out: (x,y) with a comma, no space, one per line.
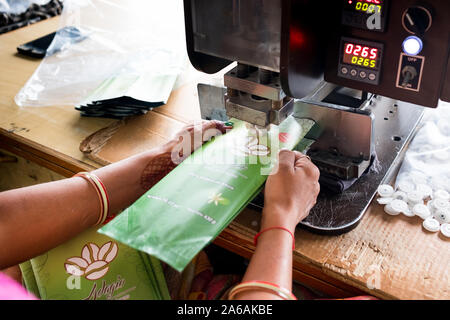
(94,261)
(218,199)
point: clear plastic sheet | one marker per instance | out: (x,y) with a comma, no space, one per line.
(123,37)
(427,160)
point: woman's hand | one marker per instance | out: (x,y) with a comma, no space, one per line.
(291,191)
(192,137)
(184,143)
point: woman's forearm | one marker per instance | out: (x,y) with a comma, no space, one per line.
(290,193)
(37,218)
(271,262)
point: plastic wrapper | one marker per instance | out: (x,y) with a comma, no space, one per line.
(427,160)
(132,39)
(92,266)
(192,205)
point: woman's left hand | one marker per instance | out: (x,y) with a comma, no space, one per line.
(184,143)
(192,137)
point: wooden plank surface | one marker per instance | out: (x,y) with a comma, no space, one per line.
(390,257)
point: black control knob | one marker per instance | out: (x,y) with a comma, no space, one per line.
(417,20)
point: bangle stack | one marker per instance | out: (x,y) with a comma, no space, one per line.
(101,193)
(283,293)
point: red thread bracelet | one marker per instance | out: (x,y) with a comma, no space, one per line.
(255,239)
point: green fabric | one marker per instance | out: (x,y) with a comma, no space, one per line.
(187,209)
(120,272)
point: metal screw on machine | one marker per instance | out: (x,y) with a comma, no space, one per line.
(242,70)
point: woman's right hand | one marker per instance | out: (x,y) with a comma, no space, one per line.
(291,191)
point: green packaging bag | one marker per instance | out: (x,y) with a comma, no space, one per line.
(92,266)
(187,209)
(28,279)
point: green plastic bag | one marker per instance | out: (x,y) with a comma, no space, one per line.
(28,279)
(192,205)
(92,266)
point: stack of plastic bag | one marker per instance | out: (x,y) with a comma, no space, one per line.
(94,267)
(127,63)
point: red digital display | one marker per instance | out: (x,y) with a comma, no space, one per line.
(360,55)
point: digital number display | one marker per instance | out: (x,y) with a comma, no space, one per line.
(366,6)
(362,56)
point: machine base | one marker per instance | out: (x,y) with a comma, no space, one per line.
(394,126)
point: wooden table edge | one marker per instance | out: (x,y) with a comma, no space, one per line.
(41,155)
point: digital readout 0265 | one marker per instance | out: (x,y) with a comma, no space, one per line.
(360,55)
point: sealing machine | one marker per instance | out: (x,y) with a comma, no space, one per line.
(362,69)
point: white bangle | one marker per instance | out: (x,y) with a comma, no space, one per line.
(283,293)
(101,193)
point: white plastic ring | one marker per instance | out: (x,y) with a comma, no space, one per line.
(439,204)
(406,186)
(431,225)
(421,211)
(441,194)
(415,197)
(442,215)
(445,230)
(425,189)
(408,212)
(385,190)
(400,195)
(396,207)
(384,201)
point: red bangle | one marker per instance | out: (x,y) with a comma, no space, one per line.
(255,239)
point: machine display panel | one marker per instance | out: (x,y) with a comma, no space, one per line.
(361,55)
(362,14)
(360,60)
(366,6)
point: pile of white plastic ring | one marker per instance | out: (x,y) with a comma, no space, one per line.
(432,206)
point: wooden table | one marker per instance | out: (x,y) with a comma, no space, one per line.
(389,257)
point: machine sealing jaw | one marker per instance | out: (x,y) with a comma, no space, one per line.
(255,95)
